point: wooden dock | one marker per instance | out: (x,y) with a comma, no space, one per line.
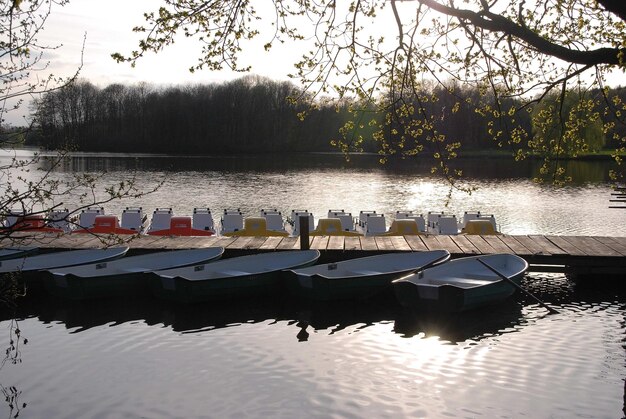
(583,255)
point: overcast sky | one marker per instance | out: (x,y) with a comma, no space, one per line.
(108,27)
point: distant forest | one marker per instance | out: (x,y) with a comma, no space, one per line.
(251,114)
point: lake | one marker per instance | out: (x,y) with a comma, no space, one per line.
(280,357)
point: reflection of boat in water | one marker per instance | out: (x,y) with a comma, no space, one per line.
(459,327)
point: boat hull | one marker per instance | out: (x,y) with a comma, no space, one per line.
(185,291)
(448,298)
(125,277)
(77,288)
(462,284)
(327,289)
(254,275)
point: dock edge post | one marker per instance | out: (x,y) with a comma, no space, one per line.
(303,225)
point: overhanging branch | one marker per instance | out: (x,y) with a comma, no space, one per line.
(496,23)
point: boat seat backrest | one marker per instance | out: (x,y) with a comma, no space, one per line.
(59,219)
(347,222)
(274,221)
(232,221)
(295,219)
(13,217)
(363,216)
(376,224)
(468,216)
(202,219)
(161,218)
(87,217)
(447,224)
(432,217)
(132,219)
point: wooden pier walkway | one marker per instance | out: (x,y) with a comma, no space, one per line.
(579,254)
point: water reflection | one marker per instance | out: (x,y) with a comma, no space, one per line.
(581,171)
(269,357)
(304,315)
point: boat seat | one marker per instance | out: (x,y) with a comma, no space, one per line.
(274,220)
(363,216)
(347,222)
(294,220)
(460,282)
(375,224)
(331,227)
(161,219)
(133,219)
(467,216)
(403,227)
(87,217)
(232,220)
(60,219)
(202,219)
(446,224)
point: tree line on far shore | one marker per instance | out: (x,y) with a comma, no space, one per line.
(251,114)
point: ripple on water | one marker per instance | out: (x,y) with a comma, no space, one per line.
(512,360)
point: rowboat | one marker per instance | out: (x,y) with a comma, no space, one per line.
(358,278)
(122,277)
(461,284)
(29,267)
(61,259)
(16,252)
(239,276)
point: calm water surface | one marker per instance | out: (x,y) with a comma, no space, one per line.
(285,358)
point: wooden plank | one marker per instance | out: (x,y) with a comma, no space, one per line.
(179,243)
(591,246)
(384,244)
(547,245)
(480,243)
(446,243)
(416,243)
(399,242)
(566,246)
(534,247)
(465,245)
(240,243)
(368,243)
(271,243)
(256,243)
(320,242)
(290,243)
(517,247)
(431,242)
(160,242)
(336,243)
(352,243)
(614,244)
(497,244)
